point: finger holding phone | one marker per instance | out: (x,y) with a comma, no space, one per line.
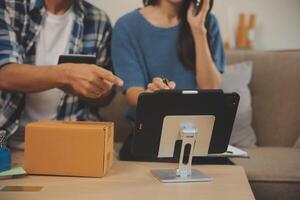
(197,15)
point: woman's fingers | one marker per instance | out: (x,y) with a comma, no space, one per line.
(197,22)
(191,10)
(172,85)
(204,10)
(152,87)
(158,84)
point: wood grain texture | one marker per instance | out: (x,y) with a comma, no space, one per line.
(132,180)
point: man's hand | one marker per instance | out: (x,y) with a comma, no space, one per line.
(158,84)
(89,81)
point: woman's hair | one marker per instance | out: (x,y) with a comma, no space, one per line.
(186,44)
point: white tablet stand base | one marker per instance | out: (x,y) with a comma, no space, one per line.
(184,173)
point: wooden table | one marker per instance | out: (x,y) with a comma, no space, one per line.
(133,180)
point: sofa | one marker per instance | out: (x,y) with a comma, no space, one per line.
(274,165)
(273,169)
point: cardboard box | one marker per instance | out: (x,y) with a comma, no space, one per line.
(69,148)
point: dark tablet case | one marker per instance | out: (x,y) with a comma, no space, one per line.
(153,107)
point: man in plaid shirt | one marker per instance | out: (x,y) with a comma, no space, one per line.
(32,36)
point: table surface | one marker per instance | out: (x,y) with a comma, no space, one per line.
(133,180)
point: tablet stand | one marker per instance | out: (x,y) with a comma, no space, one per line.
(184,173)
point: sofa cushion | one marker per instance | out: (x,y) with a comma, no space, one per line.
(297,144)
(236,79)
(275,95)
(272,164)
(275,190)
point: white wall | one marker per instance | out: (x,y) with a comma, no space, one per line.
(117,8)
(278,21)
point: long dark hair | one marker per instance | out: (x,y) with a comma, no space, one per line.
(185,43)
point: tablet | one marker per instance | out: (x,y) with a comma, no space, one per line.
(154,108)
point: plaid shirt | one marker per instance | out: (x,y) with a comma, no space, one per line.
(20,24)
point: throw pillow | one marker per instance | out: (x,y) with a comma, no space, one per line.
(297,145)
(236,79)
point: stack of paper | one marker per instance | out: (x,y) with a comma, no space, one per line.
(18,171)
(232,152)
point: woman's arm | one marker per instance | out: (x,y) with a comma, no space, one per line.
(207,74)
(132,95)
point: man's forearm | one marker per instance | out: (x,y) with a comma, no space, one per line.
(27,78)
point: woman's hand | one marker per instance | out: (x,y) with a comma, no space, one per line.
(158,84)
(197,22)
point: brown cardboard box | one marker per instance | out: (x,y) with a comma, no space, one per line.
(69,148)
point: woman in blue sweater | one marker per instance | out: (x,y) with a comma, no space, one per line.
(167,39)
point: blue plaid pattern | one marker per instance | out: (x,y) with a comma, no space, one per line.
(20,24)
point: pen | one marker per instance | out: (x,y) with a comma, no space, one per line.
(165,81)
